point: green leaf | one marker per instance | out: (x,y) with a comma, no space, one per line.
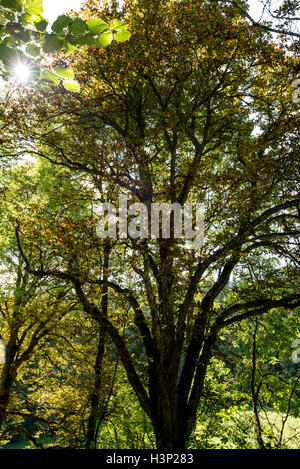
(12,4)
(33,50)
(87,40)
(41,25)
(69,46)
(5,52)
(72,85)
(24,36)
(34,7)
(122,36)
(9,15)
(61,23)
(119,25)
(50,76)
(78,27)
(97,26)
(63,72)
(26,18)
(105,39)
(43,87)
(52,43)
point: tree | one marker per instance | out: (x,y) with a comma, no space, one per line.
(27,304)
(195,107)
(284,15)
(41,323)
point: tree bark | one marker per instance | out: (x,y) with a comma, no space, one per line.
(7,379)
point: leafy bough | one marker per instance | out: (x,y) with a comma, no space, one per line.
(25,38)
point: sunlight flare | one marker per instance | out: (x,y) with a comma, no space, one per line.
(22,72)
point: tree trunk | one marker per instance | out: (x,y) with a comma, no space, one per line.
(8,377)
(173,437)
(174,407)
(168,421)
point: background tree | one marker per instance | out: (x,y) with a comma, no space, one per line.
(276,17)
(42,326)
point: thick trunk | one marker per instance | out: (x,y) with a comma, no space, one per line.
(174,406)
(171,438)
(8,377)
(169,422)
(4,400)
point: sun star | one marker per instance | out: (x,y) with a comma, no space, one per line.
(22,72)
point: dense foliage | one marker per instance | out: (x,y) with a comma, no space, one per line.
(142,343)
